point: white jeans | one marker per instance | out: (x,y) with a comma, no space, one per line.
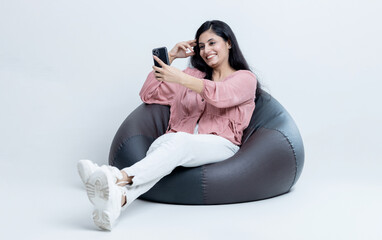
(172,150)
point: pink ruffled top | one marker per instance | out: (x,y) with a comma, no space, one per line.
(223,108)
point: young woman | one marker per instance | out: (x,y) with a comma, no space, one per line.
(211,104)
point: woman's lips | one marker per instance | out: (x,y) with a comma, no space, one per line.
(210,56)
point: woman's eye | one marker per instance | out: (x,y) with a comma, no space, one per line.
(201,47)
(212,43)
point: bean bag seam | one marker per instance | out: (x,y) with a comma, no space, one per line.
(204,183)
(293,150)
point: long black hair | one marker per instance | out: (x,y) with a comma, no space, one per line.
(236,59)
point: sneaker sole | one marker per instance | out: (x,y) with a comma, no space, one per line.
(102,219)
(98,191)
(84,169)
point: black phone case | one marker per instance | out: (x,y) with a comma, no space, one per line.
(162,54)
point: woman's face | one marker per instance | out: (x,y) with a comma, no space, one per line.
(213,49)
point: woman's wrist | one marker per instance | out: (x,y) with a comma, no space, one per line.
(171,58)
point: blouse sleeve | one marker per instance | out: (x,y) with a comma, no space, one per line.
(231,92)
(154,91)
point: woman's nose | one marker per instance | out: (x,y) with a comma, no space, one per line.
(206,49)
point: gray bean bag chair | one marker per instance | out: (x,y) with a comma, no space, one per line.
(268,163)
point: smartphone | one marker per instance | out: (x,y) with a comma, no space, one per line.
(162,54)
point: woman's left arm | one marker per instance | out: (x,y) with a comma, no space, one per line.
(171,74)
(232,92)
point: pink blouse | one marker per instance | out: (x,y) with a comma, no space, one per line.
(223,108)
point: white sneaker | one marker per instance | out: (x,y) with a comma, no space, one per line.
(86,168)
(106,197)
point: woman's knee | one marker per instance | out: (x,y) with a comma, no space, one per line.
(158,142)
(172,140)
(179,139)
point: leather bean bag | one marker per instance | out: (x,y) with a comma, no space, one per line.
(268,163)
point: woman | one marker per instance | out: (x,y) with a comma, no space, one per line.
(211,105)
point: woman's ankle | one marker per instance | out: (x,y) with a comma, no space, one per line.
(125,179)
(123,201)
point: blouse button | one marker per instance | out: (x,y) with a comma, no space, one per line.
(202,99)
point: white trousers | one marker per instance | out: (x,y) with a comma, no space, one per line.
(172,150)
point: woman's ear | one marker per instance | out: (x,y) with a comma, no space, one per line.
(229,44)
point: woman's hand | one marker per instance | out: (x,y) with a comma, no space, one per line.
(170,74)
(167,73)
(182,50)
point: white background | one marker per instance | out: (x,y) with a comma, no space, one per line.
(70,72)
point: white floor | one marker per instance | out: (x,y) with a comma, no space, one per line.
(338,196)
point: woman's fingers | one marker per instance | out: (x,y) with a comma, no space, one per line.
(183,47)
(191,53)
(157,69)
(188,49)
(161,63)
(157,72)
(189,44)
(192,42)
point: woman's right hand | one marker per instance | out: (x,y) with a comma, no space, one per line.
(182,50)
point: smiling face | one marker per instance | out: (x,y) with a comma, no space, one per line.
(213,49)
